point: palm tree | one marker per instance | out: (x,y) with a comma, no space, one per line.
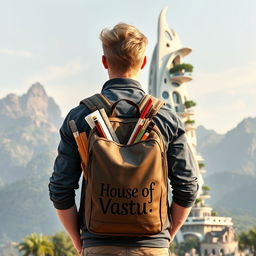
(36,245)
(63,245)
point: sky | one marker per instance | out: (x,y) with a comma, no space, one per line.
(56,43)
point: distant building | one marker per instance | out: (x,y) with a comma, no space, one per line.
(220,242)
(167,80)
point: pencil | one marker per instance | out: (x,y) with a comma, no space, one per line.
(99,127)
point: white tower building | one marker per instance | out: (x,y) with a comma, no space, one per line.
(168,77)
(168,80)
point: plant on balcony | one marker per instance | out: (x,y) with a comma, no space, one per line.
(189,104)
(206,189)
(201,165)
(198,201)
(214,213)
(179,67)
(189,122)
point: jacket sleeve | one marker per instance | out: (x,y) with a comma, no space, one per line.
(182,168)
(67,170)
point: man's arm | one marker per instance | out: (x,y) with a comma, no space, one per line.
(182,172)
(179,215)
(64,181)
(69,219)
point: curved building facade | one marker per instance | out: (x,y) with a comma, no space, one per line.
(168,80)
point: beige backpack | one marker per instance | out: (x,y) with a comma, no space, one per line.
(126,190)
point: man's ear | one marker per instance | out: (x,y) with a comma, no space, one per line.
(104,61)
(144,62)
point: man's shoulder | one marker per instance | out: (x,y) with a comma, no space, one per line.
(78,111)
(169,115)
(169,122)
(77,114)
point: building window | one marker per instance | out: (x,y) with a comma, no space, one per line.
(205,252)
(176,98)
(165,81)
(165,94)
(175,84)
(213,251)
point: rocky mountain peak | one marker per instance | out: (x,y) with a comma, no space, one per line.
(232,152)
(35,105)
(248,125)
(36,90)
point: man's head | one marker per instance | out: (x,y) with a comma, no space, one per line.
(124,49)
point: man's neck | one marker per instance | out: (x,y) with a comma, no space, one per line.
(134,76)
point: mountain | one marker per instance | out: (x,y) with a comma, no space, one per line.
(34,106)
(233,152)
(207,138)
(25,204)
(230,161)
(28,140)
(29,125)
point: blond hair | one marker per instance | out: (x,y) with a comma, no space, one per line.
(124,47)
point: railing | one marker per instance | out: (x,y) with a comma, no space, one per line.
(210,220)
(180,74)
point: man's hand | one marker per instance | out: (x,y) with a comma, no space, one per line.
(178,216)
(69,219)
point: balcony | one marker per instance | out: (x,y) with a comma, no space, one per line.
(199,159)
(189,125)
(183,52)
(181,73)
(187,113)
(204,196)
(209,220)
(202,171)
(181,77)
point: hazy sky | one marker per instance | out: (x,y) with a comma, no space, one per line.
(56,43)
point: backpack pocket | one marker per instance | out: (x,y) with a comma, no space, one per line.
(126,189)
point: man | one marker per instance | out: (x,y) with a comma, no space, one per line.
(124,56)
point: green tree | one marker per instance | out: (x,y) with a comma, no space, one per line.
(63,245)
(173,247)
(36,245)
(187,245)
(247,240)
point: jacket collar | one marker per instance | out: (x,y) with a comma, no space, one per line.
(122,83)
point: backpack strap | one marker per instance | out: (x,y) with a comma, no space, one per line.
(157,104)
(143,102)
(96,102)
